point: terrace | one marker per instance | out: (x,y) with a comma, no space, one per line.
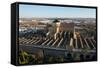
(64,45)
(64,42)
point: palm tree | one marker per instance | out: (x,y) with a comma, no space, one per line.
(56,20)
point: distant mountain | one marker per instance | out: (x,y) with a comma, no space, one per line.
(49,20)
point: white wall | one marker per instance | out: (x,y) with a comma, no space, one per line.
(5,33)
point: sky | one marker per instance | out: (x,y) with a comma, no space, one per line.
(29,11)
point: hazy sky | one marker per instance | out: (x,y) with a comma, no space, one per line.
(28,11)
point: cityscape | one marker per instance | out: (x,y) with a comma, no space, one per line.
(57,39)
